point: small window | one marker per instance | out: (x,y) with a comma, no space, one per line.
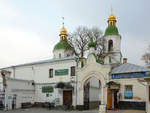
(73,71)
(110,60)
(47,95)
(110,45)
(128,93)
(59,55)
(50,73)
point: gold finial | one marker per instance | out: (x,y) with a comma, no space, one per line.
(111,10)
(63,31)
(63,21)
(111,18)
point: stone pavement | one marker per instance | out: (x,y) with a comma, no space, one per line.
(42,110)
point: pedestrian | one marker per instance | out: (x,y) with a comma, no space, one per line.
(118,98)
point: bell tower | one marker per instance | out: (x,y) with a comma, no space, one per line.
(112,42)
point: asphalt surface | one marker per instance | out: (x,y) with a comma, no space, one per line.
(44,110)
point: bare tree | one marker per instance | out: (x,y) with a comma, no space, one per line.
(146,57)
(96,34)
(80,38)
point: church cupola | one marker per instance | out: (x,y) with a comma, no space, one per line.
(92,46)
(62,48)
(112,42)
(63,33)
(111,29)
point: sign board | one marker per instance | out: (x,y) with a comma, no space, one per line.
(61,72)
(102,108)
(130,75)
(47,89)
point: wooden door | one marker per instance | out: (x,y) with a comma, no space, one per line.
(109,99)
(67,97)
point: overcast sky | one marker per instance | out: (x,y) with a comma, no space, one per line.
(29,29)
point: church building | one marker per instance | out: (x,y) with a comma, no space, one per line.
(64,80)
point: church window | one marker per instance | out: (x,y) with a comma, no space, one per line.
(50,73)
(110,45)
(72,71)
(110,60)
(59,55)
(128,93)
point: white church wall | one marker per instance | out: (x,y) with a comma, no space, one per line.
(42,96)
(39,73)
(61,53)
(24,72)
(42,72)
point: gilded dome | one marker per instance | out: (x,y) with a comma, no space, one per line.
(63,30)
(111,18)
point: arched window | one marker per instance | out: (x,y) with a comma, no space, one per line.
(110,45)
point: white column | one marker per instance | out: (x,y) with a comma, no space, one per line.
(80,97)
(102,95)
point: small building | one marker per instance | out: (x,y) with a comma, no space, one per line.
(133,93)
(19,92)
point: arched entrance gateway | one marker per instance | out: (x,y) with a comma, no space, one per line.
(92,79)
(92,91)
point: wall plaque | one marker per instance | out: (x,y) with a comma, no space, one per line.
(61,72)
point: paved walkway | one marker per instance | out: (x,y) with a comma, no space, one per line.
(41,110)
(126,111)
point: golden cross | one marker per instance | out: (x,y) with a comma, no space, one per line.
(63,21)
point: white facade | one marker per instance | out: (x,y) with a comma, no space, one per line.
(61,53)
(112,54)
(39,74)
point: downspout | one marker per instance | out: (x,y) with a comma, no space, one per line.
(4,89)
(76,80)
(14,74)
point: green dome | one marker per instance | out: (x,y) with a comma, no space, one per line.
(111,30)
(63,44)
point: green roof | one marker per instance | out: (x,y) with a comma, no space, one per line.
(111,30)
(91,43)
(63,44)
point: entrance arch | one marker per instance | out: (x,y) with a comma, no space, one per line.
(97,75)
(103,89)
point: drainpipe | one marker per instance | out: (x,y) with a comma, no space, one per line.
(77,60)
(4,88)
(13,71)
